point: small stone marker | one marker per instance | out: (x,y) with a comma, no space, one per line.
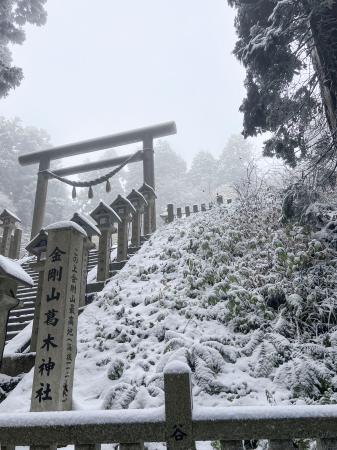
(125,211)
(187,211)
(195,208)
(219,199)
(178,406)
(150,196)
(57,331)
(9,221)
(170,213)
(203,207)
(106,218)
(38,247)
(91,231)
(139,203)
(229,200)
(179,213)
(11,274)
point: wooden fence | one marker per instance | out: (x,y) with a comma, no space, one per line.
(178,424)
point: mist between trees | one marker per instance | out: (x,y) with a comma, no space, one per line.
(175,182)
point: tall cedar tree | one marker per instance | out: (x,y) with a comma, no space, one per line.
(14,14)
(289,50)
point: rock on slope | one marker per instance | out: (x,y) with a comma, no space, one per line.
(247,303)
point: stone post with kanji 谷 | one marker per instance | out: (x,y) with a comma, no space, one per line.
(57,331)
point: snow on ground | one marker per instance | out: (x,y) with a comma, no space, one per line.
(228,292)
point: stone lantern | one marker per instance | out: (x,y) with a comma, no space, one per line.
(91,230)
(11,275)
(139,203)
(10,245)
(106,218)
(38,247)
(150,196)
(126,212)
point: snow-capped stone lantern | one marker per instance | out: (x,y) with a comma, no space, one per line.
(150,196)
(139,203)
(10,245)
(38,247)
(126,211)
(91,230)
(11,275)
(106,218)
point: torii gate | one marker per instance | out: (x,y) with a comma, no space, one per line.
(43,158)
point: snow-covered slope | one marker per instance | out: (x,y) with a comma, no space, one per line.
(248,304)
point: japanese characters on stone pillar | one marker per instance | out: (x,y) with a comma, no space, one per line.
(11,274)
(9,221)
(150,196)
(38,248)
(139,203)
(91,230)
(57,331)
(125,211)
(106,218)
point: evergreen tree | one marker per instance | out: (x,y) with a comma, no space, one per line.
(17,183)
(203,176)
(289,51)
(14,14)
(234,160)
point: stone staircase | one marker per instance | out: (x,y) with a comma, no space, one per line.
(20,318)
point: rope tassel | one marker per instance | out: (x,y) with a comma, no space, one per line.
(73,194)
(90,192)
(108,186)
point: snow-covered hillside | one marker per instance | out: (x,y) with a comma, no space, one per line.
(247,303)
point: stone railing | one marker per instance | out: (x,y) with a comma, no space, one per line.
(170,214)
(178,424)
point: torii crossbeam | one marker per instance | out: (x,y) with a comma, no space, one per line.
(44,157)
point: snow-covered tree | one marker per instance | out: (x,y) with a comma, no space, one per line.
(14,14)
(290,54)
(203,176)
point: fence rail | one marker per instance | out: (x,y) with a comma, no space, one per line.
(178,423)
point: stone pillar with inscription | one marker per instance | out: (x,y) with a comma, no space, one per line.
(57,331)
(38,247)
(106,218)
(91,230)
(11,274)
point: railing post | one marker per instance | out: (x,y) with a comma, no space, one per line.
(195,208)
(231,445)
(178,407)
(203,207)
(219,199)
(281,444)
(326,444)
(139,446)
(170,213)
(179,213)
(187,211)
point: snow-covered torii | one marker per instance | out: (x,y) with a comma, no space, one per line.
(44,157)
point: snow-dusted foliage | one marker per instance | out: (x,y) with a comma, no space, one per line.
(247,302)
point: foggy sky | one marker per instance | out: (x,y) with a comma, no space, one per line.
(105,66)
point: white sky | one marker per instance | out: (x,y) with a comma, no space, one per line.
(105,66)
